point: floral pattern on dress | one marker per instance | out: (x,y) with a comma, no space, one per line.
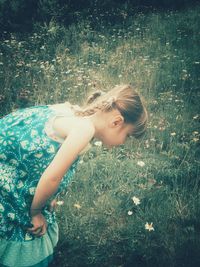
(25,152)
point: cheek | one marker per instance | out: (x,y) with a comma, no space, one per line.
(119,140)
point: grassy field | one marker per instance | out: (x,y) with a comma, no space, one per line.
(139,204)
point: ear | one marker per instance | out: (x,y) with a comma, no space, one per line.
(117,120)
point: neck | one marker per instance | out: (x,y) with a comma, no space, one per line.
(100,121)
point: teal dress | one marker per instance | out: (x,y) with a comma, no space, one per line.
(25,152)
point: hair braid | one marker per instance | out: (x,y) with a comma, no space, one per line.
(104,105)
(125,99)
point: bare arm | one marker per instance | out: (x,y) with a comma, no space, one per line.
(77,139)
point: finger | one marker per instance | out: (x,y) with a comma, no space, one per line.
(37,231)
(33,229)
(30,230)
(43,230)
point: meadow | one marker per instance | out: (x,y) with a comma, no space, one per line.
(137,205)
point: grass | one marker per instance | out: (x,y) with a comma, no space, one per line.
(158,52)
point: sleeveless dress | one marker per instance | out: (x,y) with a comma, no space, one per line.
(27,146)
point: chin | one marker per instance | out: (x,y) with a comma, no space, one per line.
(109,146)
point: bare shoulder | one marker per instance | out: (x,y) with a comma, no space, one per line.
(83,125)
(64,125)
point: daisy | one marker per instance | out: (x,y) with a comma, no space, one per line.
(136,200)
(78,206)
(130,213)
(141,163)
(98,143)
(60,202)
(149,226)
(173,134)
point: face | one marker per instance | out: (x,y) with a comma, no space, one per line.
(116,135)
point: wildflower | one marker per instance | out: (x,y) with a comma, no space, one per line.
(142,186)
(78,206)
(195,117)
(195,139)
(141,163)
(149,227)
(173,134)
(98,143)
(147,144)
(130,213)
(52,68)
(136,200)
(60,202)
(161,128)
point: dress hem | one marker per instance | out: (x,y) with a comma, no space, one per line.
(34,253)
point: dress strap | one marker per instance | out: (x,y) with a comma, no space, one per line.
(50,131)
(48,128)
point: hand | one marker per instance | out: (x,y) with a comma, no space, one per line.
(39,225)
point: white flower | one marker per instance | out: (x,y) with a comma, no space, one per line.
(195,117)
(130,213)
(173,134)
(141,163)
(149,226)
(60,202)
(136,200)
(78,206)
(98,143)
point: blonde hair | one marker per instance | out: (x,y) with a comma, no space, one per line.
(125,99)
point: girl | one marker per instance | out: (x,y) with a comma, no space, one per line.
(39,151)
